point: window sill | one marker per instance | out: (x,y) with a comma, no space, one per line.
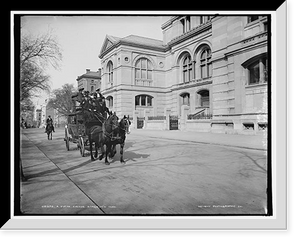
(248,86)
(143,106)
(202,107)
(196,80)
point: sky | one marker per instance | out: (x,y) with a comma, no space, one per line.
(81,38)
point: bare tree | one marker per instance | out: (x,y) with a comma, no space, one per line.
(33,80)
(62,101)
(36,54)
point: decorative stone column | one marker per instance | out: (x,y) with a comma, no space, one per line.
(184,112)
(167,113)
(146,115)
(135,115)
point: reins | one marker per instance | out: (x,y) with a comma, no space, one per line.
(112,126)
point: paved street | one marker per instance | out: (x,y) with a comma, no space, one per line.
(166,172)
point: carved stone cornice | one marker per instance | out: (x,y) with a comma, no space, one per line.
(193,32)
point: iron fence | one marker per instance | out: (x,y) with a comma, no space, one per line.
(157,118)
(199,116)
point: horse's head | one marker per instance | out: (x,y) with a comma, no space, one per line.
(113,121)
(125,124)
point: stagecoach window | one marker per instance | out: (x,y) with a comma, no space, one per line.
(143,100)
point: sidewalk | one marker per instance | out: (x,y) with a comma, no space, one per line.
(258,142)
(47,187)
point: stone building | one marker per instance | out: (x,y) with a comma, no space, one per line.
(90,80)
(213,67)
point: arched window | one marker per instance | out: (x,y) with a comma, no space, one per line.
(143,100)
(187,68)
(110,72)
(143,72)
(205,63)
(110,102)
(257,69)
(185,99)
(203,98)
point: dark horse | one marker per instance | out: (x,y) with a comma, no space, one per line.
(123,129)
(49,130)
(101,135)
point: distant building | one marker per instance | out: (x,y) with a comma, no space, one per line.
(90,81)
(59,120)
(206,66)
(38,117)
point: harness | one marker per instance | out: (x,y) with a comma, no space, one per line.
(120,128)
(110,135)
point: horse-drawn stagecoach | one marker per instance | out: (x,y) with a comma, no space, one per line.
(91,126)
(75,132)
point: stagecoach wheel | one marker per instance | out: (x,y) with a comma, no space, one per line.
(67,139)
(81,147)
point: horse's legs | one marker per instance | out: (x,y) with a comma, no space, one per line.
(96,149)
(121,152)
(108,148)
(91,147)
(102,152)
(113,151)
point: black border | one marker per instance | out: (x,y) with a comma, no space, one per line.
(230,5)
(18,178)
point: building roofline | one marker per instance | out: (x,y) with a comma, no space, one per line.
(126,41)
(169,22)
(90,74)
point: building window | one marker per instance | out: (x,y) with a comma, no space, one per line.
(257,68)
(143,72)
(205,63)
(201,19)
(254,73)
(187,68)
(110,72)
(186,24)
(203,98)
(92,88)
(143,100)
(204,19)
(185,99)
(265,26)
(110,102)
(252,18)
